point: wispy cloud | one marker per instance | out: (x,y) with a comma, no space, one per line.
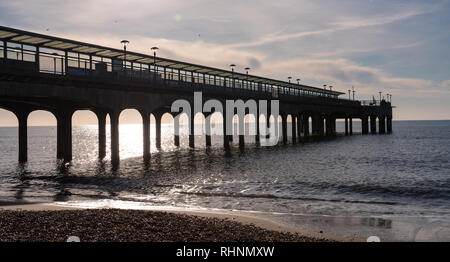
(345,24)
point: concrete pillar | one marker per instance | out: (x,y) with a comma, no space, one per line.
(22,117)
(382,125)
(191,130)
(333,126)
(146,135)
(321,125)
(241,132)
(241,141)
(59,138)
(101,116)
(208,129)
(284,128)
(316,125)
(373,124)
(268,125)
(365,125)
(176,130)
(299,126)
(257,138)
(294,128)
(328,127)
(64,135)
(158,130)
(306,126)
(346,126)
(226,137)
(389,124)
(350,125)
(114,119)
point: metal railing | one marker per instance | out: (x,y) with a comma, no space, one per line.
(76,65)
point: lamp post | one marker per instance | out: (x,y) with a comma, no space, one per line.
(324,86)
(232,73)
(289,79)
(353,90)
(125,43)
(246,71)
(331,88)
(154,49)
(349,94)
(380,95)
(298,81)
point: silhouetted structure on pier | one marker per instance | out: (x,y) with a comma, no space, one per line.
(41,72)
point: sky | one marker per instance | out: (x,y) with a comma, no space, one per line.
(398,47)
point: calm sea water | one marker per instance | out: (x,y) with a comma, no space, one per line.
(396,186)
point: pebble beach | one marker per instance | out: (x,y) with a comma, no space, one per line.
(119,225)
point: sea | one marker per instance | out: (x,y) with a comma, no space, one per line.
(394,186)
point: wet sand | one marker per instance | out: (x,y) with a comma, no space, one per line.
(47,222)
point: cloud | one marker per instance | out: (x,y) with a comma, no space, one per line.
(345,24)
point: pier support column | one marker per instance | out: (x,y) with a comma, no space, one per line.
(350,125)
(176,130)
(226,137)
(146,135)
(389,124)
(365,125)
(381,125)
(158,117)
(257,138)
(114,119)
(208,129)
(305,126)
(101,116)
(373,124)
(64,135)
(294,129)
(191,130)
(333,126)
(284,128)
(316,125)
(321,126)
(22,117)
(346,126)
(241,141)
(328,128)
(299,127)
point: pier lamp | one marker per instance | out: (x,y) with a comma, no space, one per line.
(324,86)
(232,72)
(353,90)
(349,94)
(298,81)
(380,95)
(246,71)
(331,88)
(125,44)
(154,49)
(289,79)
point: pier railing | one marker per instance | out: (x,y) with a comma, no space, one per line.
(77,65)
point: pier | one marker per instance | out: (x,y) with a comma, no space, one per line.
(62,76)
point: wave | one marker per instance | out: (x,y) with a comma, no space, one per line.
(271,196)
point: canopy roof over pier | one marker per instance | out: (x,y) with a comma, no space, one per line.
(46,41)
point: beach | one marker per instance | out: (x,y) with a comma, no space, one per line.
(50,223)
